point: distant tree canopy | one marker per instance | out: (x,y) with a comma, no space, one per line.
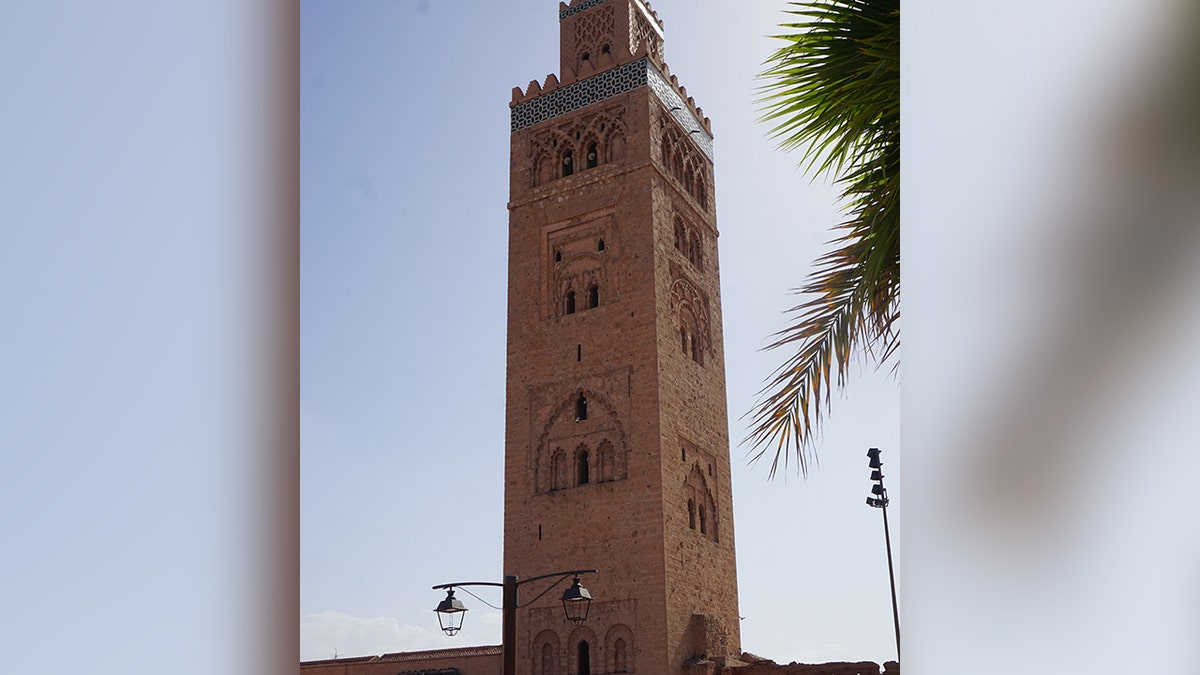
(833,92)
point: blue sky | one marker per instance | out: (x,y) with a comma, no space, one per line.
(404,177)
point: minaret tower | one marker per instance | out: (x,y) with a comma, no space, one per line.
(616,441)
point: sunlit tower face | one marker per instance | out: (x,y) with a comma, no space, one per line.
(617,448)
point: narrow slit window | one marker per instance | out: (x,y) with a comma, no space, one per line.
(578,352)
(582,470)
(692,513)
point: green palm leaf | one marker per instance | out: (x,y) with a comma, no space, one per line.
(834,93)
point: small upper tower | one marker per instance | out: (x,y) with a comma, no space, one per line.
(613,34)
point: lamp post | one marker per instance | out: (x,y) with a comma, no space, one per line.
(576,602)
(880,501)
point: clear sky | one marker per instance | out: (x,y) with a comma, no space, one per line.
(404,179)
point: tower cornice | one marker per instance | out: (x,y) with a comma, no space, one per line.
(538,104)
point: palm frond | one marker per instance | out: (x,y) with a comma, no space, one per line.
(834,93)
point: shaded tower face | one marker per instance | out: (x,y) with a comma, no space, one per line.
(617,446)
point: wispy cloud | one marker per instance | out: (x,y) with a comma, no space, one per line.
(324,632)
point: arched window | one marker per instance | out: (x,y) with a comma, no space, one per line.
(593,296)
(559,466)
(570,302)
(547,660)
(679,234)
(605,49)
(692,513)
(581,408)
(608,470)
(703,521)
(585,659)
(581,470)
(593,156)
(620,661)
(683,339)
(557,255)
(568,166)
(600,245)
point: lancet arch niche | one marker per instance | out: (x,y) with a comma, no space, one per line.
(580,448)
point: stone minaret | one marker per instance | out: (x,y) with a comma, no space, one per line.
(617,442)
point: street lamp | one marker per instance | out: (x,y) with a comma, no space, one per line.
(451,613)
(880,501)
(576,601)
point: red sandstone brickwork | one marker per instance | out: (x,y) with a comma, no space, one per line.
(653,511)
(467,661)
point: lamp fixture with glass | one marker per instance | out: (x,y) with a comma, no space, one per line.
(576,602)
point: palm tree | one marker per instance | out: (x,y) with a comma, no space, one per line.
(834,92)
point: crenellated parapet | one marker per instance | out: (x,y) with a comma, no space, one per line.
(542,101)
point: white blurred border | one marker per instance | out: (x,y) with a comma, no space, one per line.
(1052,307)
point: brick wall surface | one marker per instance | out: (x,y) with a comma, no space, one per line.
(667,586)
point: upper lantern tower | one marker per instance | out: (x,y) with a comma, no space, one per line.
(615,34)
(616,436)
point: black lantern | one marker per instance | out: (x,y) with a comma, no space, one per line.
(576,602)
(450,613)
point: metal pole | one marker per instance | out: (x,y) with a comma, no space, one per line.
(891,578)
(509,628)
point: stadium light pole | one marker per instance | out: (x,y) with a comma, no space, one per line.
(880,501)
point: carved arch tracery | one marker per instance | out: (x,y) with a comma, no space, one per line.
(702,515)
(683,161)
(690,305)
(579,273)
(604,129)
(602,444)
